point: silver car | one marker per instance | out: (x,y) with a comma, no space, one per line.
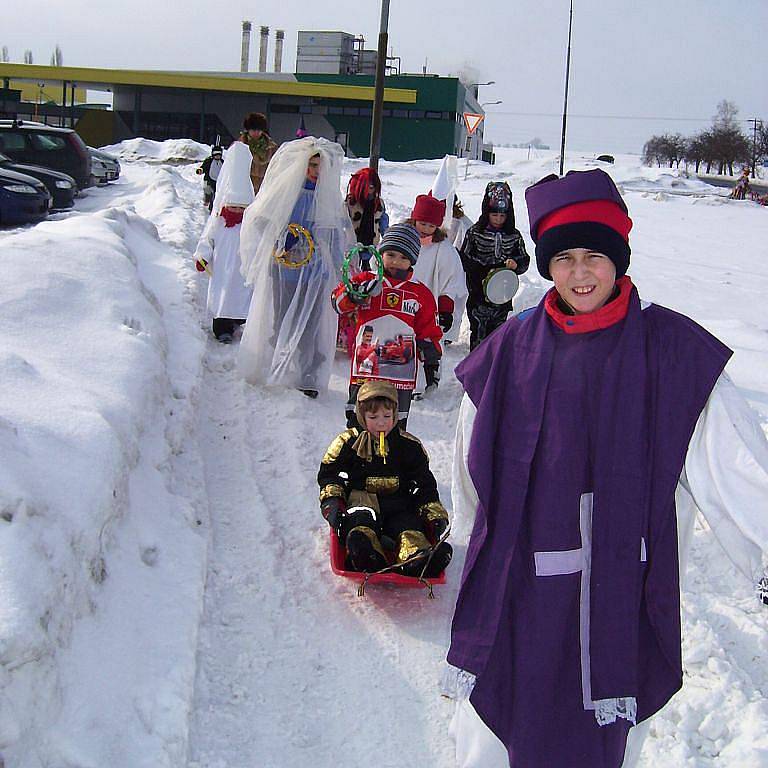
(104,167)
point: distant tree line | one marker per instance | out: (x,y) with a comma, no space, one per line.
(720,147)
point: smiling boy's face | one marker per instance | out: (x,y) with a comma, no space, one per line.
(584,279)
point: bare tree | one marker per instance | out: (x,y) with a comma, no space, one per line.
(725,118)
(56,58)
(27,56)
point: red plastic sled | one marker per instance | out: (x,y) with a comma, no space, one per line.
(339,558)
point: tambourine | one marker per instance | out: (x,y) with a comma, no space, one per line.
(351,253)
(500,286)
(284,257)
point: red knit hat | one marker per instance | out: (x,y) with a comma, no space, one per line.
(429,209)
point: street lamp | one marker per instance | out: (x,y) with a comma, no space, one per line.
(475,86)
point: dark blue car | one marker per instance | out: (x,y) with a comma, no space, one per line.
(61,186)
(22,198)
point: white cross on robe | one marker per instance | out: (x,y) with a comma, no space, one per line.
(570,561)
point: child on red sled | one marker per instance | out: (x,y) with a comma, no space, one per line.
(378,494)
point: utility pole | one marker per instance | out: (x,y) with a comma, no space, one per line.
(378,97)
(565,103)
(756,124)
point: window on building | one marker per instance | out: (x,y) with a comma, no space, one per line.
(434,115)
(416,114)
(365,111)
(335,110)
(399,113)
(468,144)
(305,109)
(353,111)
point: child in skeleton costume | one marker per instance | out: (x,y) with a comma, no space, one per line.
(210,170)
(294,238)
(218,251)
(397,316)
(438,267)
(491,243)
(566,632)
(377,492)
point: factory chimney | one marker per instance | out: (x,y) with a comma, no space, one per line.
(263,49)
(246,46)
(279,36)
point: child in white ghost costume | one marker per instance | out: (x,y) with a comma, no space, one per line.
(218,251)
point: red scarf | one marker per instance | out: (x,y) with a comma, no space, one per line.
(609,314)
(232,216)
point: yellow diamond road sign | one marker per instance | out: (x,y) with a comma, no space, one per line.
(472,120)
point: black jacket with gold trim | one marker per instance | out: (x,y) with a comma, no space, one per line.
(403,482)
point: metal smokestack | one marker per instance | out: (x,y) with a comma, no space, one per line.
(245,49)
(279,36)
(263,49)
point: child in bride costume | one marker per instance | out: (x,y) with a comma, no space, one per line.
(294,238)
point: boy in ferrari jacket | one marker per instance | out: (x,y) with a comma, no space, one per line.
(396,318)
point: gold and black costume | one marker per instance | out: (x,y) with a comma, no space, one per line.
(398,486)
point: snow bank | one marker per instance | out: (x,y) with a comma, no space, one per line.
(170,151)
(93,538)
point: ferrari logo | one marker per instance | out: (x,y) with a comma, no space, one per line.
(392,299)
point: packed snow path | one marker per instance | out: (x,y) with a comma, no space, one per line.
(293,668)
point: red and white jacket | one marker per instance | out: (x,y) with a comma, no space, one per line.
(392,322)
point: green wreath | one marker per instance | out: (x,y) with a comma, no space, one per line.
(352,291)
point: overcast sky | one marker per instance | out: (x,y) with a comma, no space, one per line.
(633,63)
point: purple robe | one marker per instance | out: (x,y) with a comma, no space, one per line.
(570,592)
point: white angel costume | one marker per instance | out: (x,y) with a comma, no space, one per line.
(219,245)
(447,273)
(290,335)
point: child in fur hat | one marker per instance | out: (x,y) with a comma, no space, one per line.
(383,473)
(491,243)
(592,428)
(399,315)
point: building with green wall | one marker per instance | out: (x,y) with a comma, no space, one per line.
(422,113)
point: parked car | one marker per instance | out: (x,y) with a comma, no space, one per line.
(60,149)
(104,167)
(23,199)
(61,186)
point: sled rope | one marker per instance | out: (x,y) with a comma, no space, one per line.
(425,554)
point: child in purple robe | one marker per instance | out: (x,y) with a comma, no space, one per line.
(566,633)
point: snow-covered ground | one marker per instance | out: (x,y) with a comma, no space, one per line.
(165,596)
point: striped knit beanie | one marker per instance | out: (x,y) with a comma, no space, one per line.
(402,238)
(583,209)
